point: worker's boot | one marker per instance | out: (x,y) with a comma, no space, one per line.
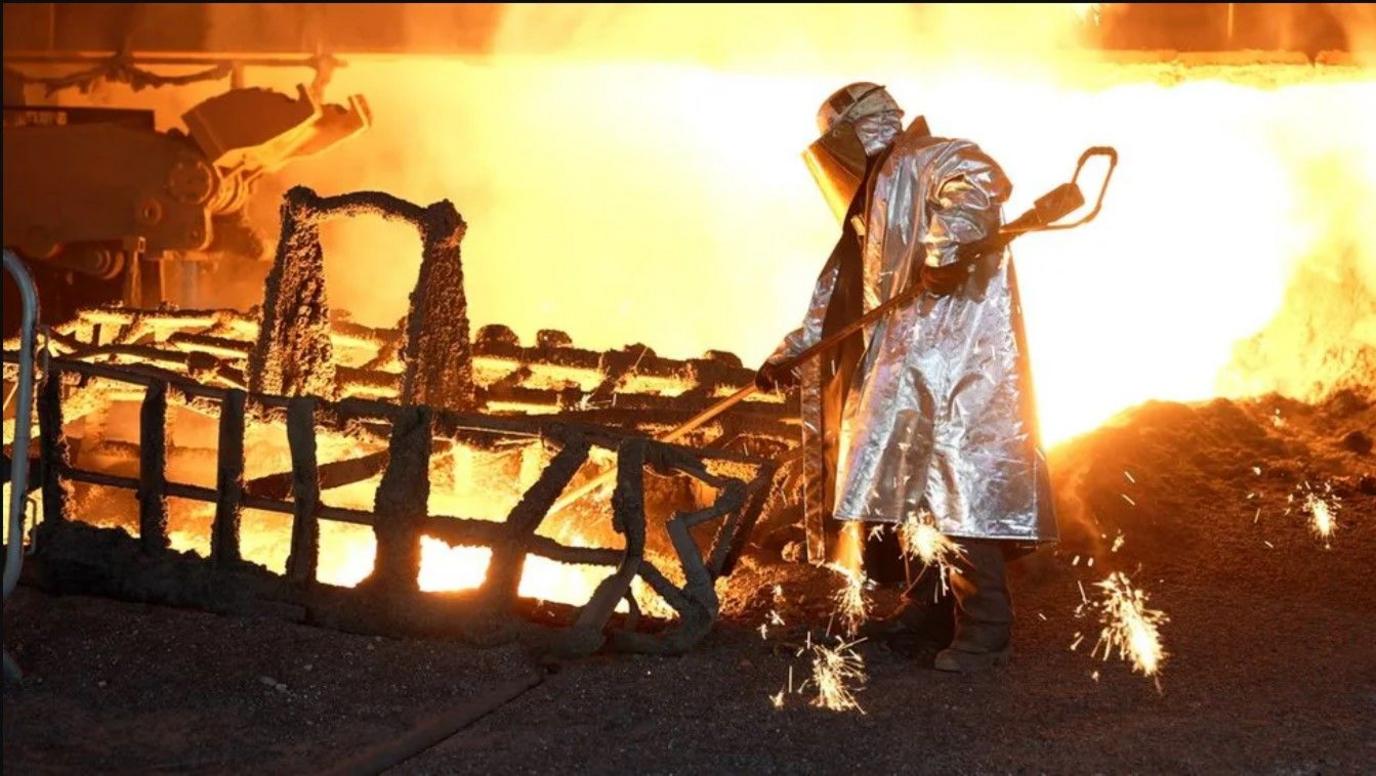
(927,614)
(984,611)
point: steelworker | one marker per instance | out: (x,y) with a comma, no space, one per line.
(928,414)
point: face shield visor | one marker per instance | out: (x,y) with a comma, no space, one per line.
(837,163)
(856,121)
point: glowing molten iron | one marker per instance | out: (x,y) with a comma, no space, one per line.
(621,190)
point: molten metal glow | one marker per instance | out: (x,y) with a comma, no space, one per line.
(1129,627)
(718,149)
(642,164)
(670,193)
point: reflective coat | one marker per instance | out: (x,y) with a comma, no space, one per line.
(938,414)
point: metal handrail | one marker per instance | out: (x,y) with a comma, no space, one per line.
(23,414)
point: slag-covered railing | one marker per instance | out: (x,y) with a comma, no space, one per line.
(390,599)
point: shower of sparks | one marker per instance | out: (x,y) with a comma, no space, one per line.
(836,672)
(1321,508)
(1129,627)
(920,539)
(852,602)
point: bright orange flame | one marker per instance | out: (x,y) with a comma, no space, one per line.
(1225,190)
(633,174)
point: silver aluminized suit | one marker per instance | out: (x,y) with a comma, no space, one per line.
(939,415)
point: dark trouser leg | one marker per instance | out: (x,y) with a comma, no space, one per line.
(882,555)
(927,615)
(984,610)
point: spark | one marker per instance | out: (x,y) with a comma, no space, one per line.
(774,618)
(1076,561)
(1321,510)
(1118,542)
(1127,474)
(764,631)
(1089,563)
(777,699)
(1083,597)
(1129,627)
(1128,499)
(1257,516)
(922,540)
(778,594)
(1269,545)
(877,532)
(1256,470)
(852,603)
(1094,675)
(1079,639)
(1039,614)
(836,672)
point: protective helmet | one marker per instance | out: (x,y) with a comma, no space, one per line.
(848,120)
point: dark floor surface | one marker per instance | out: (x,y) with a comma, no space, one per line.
(1271,641)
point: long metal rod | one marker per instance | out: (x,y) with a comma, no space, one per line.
(23,416)
(914,290)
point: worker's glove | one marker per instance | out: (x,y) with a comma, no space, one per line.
(774,377)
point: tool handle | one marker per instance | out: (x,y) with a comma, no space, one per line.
(828,342)
(1032,221)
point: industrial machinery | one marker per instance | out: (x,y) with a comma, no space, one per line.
(103,207)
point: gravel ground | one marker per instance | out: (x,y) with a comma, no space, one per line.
(1271,640)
